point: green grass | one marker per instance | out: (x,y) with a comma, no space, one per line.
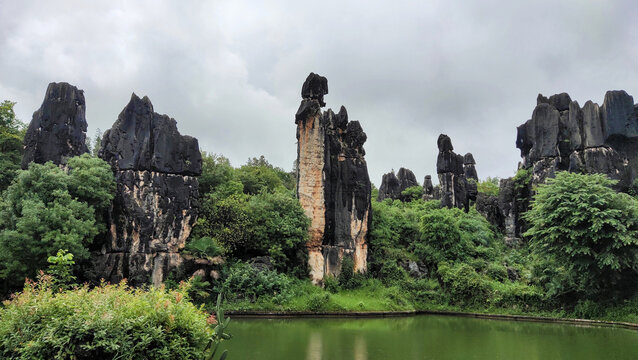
(374,296)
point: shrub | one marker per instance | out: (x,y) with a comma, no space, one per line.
(317,301)
(412,193)
(109,321)
(205,247)
(61,270)
(391,273)
(489,186)
(590,229)
(441,238)
(496,271)
(331,284)
(348,278)
(46,209)
(463,284)
(517,295)
(244,282)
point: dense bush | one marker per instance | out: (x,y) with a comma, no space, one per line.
(11,149)
(244,282)
(205,247)
(464,285)
(252,211)
(46,209)
(107,322)
(590,230)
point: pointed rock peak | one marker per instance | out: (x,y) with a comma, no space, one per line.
(315,87)
(444,143)
(540,99)
(560,101)
(468,159)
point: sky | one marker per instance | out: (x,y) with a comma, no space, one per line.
(230,72)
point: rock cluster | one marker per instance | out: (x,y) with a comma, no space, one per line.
(562,136)
(58,129)
(157,195)
(393,185)
(333,185)
(593,139)
(457,175)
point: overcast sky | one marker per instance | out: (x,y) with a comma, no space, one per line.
(230,72)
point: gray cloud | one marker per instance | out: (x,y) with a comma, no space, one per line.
(230,72)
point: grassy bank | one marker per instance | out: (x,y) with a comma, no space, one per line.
(374,296)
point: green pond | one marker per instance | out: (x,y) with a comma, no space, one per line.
(425,337)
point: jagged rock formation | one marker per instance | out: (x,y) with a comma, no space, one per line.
(449,167)
(562,136)
(430,192)
(469,170)
(593,139)
(58,129)
(392,186)
(157,195)
(333,185)
(406,178)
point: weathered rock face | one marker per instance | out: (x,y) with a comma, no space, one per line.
(563,136)
(392,186)
(157,195)
(406,178)
(333,185)
(430,192)
(449,166)
(58,129)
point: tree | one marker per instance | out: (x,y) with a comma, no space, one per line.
(589,229)
(46,209)
(11,136)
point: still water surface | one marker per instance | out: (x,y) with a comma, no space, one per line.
(425,337)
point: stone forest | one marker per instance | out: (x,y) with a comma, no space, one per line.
(140,218)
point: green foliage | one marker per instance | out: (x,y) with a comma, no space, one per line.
(392,274)
(441,238)
(348,278)
(205,247)
(395,225)
(412,193)
(588,229)
(243,281)
(251,212)
(216,171)
(522,178)
(46,209)
(259,176)
(464,285)
(489,186)
(496,271)
(11,149)
(61,270)
(219,334)
(106,322)
(317,302)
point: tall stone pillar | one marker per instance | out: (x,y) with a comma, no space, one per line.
(333,185)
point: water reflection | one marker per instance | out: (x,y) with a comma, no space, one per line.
(314,346)
(425,337)
(360,351)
